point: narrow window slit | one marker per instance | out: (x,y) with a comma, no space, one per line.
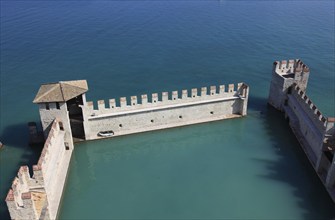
(61,126)
(67,147)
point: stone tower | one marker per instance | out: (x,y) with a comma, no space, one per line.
(284,75)
(62,100)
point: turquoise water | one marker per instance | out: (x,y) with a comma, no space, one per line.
(243,168)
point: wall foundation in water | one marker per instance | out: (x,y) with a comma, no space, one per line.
(66,117)
(314,131)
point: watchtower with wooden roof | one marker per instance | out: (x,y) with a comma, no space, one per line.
(62,100)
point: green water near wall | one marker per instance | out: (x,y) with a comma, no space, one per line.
(202,171)
(243,168)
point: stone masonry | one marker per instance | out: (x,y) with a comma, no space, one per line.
(314,131)
(38,197)
(67,117)
(171,110)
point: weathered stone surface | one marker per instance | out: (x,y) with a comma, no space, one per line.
(165,113)
(315,132)
(38,197)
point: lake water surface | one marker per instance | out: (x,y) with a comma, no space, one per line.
(245,168)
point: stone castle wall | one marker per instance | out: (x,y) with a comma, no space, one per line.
(48,116)
(20,199)
(284,74)
(170,110)
(38,197)
(315,132)
(307,120)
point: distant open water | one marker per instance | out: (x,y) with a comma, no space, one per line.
(234,169)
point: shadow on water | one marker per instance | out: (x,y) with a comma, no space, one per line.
(292,167)
(11,133)
(257,104)
(15,138)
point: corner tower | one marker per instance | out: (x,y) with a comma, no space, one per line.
(284,75)
(62,100)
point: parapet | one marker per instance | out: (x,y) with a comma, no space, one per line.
(290,68)
(23,201)
(20,185)
(315,132)
(284,75)
(168,98)
(43,160)
(309,105)
(19,198)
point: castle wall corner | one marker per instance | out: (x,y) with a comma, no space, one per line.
(38,197)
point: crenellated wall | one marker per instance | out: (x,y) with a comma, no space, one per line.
(285,74)
(166,110)
(314,131)
(307,120)
(314,114)
(19,198)
(38,197)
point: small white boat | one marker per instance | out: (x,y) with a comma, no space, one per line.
(106,133)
